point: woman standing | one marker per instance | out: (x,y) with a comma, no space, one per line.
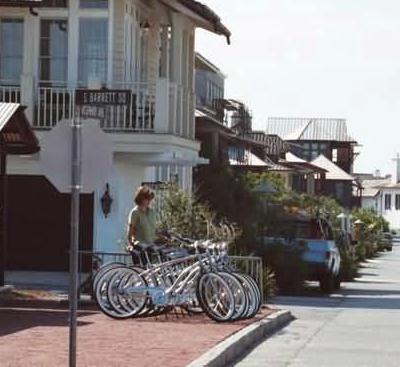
(142,218)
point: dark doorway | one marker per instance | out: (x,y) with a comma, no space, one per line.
(39,224)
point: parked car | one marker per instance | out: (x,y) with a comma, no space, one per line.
(319,250)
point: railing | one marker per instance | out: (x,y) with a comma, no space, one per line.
(138,116)
(89,261)
(9,93)
(51,104)
(181,111)
(54,104)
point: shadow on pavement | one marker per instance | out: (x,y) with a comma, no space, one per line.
(351,298)
(15,320)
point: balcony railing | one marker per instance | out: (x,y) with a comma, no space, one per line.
(55,104)
(162,108)
(9,93)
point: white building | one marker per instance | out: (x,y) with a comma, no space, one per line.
(383,195)
(50,48)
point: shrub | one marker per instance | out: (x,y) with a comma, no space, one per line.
(348,266)
(289,268)
(269,283)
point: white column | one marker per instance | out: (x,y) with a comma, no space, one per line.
(176,49)
(165,50)
(29,67)
(73,42)
(161,120)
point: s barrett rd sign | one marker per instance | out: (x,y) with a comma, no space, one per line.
(99,97)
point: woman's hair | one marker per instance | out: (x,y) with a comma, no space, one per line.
(142,193)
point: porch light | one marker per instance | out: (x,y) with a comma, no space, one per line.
(145,25)
(106,201)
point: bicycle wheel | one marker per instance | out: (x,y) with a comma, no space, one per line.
(238,291)
(251,294)
(100,292)
(215,297)
(256,289)
(127,293)
(103,269)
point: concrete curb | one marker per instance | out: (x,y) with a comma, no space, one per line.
(239,343)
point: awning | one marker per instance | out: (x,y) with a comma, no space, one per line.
(16,134)
(22,3)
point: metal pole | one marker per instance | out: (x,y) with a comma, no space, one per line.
(74,246)
(4,215)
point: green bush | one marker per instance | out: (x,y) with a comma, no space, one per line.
(289,268)
(269,283)
(348,266)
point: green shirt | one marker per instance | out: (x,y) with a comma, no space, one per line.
(145,224)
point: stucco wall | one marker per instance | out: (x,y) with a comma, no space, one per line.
(127,176)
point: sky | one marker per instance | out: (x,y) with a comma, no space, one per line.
(316,58)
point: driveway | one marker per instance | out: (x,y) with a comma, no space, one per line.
(358,327)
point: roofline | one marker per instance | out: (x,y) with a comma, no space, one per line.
(201,12)
(210,64)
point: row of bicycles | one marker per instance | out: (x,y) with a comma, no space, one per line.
(193,275)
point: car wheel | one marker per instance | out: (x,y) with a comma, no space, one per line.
(336,282)
(326,283)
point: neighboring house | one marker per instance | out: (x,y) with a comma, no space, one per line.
(50,48)
(337,182)
(324,143)
(382,194)
(222,124)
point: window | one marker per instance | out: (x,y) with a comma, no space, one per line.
(334,155)
(53,51)
(93,4)
(11,50)
(388,201)
(93,49)
(397,202)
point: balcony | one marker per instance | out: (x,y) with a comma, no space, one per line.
(164,108)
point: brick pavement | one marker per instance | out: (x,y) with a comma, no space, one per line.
(39,337)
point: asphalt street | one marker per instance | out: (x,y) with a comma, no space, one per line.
(357,327)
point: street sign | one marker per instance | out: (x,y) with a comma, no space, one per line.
(100,97)
(95,112)
(97,156)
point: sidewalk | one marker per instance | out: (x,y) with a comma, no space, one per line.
(37,336)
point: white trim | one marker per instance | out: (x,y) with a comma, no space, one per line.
(110,48)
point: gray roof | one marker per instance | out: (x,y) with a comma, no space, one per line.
(314,129)
(334,172)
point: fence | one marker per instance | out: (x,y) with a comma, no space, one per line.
(90,261)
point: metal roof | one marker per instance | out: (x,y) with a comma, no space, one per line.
(273,144)
(313,129)
(333,172)
(7,110)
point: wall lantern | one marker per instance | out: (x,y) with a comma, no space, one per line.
(145,25)
(106,201)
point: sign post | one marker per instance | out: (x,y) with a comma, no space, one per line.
(76,185)
(84,98)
